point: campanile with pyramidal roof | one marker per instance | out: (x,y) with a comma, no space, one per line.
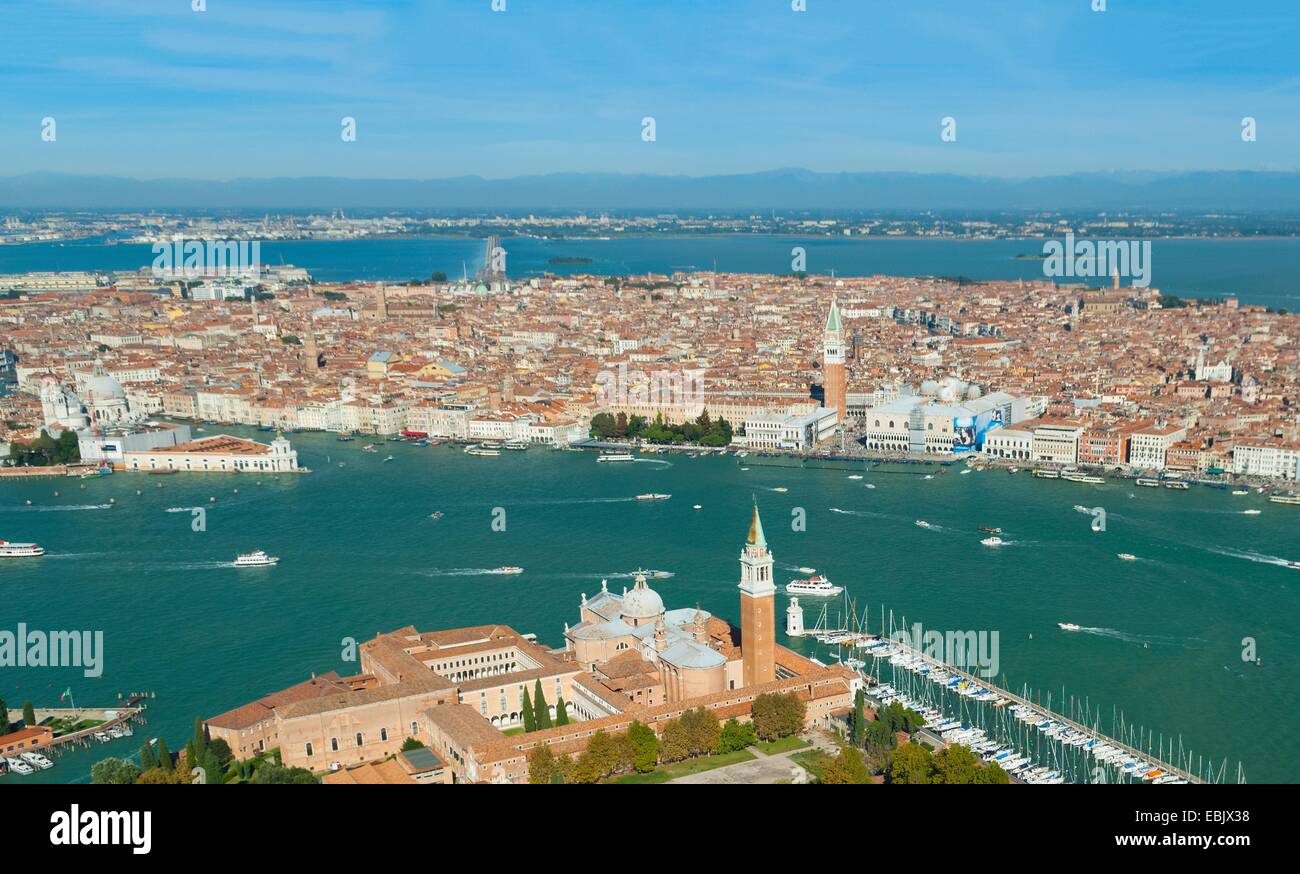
(757,607)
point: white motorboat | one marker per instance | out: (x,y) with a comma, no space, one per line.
(992,541)
(36,760)
(507,569)
(1127,556)
(18,766)
(1068,626)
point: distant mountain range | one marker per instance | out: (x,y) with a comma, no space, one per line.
(786,189)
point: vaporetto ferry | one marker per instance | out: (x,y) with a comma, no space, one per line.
(20,550)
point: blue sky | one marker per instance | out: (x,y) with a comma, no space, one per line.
(149,88)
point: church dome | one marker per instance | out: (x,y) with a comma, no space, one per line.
(104,388)
(642,602)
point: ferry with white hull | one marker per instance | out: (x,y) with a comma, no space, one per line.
(20,550)
(816,586)
(257,558)
(606,457)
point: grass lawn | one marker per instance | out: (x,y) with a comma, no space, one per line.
(664,773)
(518,729)
(782,745)
(812,761)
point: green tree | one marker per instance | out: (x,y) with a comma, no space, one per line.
(847,767)
(703,732)
(164,755)
(114,771)
(221,750)
(911,765)
(530,721)
(541,764)
(778,715)
(29,715)
(541,711)
(147,759)
(411,744)
(859,719)
(992,774)
(955,764)
(273,774)
(4,717)
(737,735)
(675,743)
(645,746)
(561,712)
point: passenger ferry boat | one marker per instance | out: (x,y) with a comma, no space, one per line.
(1076,477)
(257,558)
(817,586)
(1284,499)
(1176,484)
(653,496)
(483,450)
(1147,481)
(517,445)
(1047,474)
(20,550)
(615,456)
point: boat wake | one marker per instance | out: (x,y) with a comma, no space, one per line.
(869,514)
(1126,637)
(458,572)
(181,509)
(653,461)
(1257,557)
(58,508)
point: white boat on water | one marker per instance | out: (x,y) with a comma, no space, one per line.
(507,569)
(780,489)
(992,541)
(653,496)
(1127,556)
(481,451)
(1241,491)
(1068,626)
(256,558)
(606,457)
(816,586)
(807,570)
(921,523)
(697,507)
(36,760)
(18,766)
(1284,499)
(20,550)
(855,476)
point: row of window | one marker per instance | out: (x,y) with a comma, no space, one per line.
(361,739)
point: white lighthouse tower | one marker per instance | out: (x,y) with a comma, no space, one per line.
(794,619)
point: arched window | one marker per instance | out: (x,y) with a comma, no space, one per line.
(358,738)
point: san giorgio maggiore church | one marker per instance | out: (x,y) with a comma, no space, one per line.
(458,690)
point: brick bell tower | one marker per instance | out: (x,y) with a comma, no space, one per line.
(834,380)
(757,607)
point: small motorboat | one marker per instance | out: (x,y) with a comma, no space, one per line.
(992,541)
(921,523)
(991,530)
(1068,626)
(436,514)
(1128,556)
(507,569)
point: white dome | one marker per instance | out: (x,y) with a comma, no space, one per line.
(104,387)
(642,602)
